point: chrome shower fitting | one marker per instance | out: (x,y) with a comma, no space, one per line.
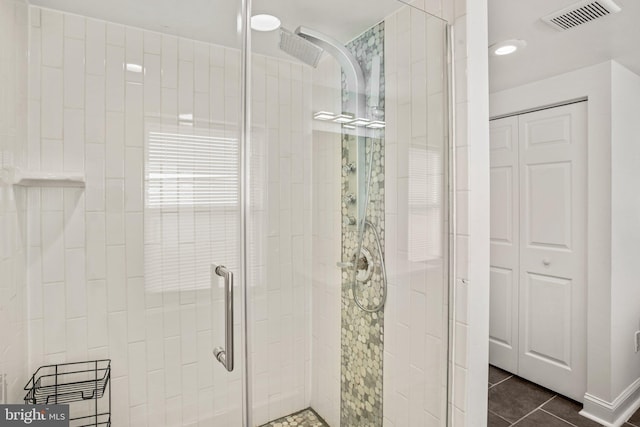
(349,168)
(301,45)
(300,48)
(349,220)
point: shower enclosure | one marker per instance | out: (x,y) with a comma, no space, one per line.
(250,224)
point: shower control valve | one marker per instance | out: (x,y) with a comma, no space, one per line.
(350,199)
(349,220)
(349,168)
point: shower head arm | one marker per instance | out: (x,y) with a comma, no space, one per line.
(352,70)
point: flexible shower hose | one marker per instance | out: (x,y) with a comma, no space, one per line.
(364,222)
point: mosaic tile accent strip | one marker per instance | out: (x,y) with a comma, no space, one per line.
(305,418)
(362,332)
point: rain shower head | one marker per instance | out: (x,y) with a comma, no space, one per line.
(300,48)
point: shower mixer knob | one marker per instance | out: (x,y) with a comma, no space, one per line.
(349,168)
(350,199)
(349,220)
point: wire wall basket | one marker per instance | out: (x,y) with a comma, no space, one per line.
(82,385)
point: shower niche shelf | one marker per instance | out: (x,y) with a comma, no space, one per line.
(48,179)
(82,385)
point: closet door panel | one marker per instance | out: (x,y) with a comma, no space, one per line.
(503,326)
(552,328)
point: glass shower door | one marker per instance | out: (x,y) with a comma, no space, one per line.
(142,99)
(192,216)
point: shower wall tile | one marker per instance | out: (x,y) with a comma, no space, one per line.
(152,84)
(114,146)
(74,77)
(152,43)
(95,46)
(169,62)
(74,27)
(134,55)
(52,27)
(74,209)
(134,114)
(75,290)
(133,190)
(115,66)
(94,108)
(115,34)
(52,99)
(73,142)
(326,233)
(116,279)
(282,261)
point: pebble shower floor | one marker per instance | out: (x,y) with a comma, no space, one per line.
(305,418)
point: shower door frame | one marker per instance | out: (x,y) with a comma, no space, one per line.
(245,203)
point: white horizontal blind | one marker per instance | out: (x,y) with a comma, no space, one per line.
(425,203)
(191,169)
(191,206)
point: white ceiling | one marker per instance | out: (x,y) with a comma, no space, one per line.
(216,21)
(550,52)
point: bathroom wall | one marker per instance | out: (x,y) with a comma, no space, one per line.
(280,256)
(13,132)
(613,381)
(469,356)
(116,271)
(416,331)
(470,319)
(327,232)
(625,230)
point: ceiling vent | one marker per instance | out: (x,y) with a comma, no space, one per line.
(581,13)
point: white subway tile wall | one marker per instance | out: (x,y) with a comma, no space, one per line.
(280,234)
(13,200)
(327,241)
(112,276)
(416,340)
(455,12)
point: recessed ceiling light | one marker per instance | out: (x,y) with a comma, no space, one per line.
(507,47)
(264,22)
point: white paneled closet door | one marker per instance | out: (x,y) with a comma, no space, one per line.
(549,277)
(505,244)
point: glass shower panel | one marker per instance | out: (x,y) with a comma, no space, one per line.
(192,221)
(144,100)
(417,317)
(348,237)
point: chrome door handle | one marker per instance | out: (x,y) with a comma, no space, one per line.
(225,355)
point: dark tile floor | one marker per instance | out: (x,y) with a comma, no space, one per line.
(514,401)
